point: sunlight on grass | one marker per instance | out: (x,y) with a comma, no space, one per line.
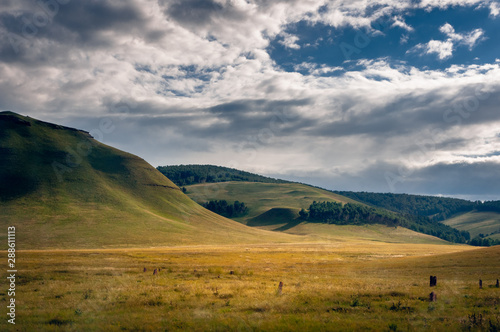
(339,286)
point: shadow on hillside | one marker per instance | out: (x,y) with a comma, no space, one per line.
(274,216)
(286,227)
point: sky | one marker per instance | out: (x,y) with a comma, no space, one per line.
(383,96)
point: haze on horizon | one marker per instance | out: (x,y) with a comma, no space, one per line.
(380,96)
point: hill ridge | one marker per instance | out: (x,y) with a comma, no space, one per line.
(63,189)
(183,175)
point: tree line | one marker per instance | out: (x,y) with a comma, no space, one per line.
(489,206)
(436,208)
(184,175)
(357,214)
(483,242)
(223,208)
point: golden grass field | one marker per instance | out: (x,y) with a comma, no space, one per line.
(341,286)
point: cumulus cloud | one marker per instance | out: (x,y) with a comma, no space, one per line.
(399,22)
(494,9)
(444,49)
(290,41)
(469,39)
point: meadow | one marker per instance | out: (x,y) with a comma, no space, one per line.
(346,286)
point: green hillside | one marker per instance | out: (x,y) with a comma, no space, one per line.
(477,222)
(276,207)
(61,188)
(262,197)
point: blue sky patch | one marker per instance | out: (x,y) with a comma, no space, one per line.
(325,45)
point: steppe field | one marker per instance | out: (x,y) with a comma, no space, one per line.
(347,285)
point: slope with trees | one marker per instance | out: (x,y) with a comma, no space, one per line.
(436,208)
(347,214)
(184,175)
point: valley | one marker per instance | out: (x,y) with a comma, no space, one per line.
(336,286)
(106,242)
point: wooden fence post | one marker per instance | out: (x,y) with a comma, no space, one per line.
(280,288)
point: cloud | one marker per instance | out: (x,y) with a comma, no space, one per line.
(470,39)
(444,49)
(400,23)
(494,9)
(316,69)
(193,82)
(404,39)
(290,41)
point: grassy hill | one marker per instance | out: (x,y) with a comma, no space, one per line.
(61,188)
(477,222)
(276,207)
(289,198)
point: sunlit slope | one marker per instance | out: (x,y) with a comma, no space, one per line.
(284,199)
(61,188)
(276,206)
(477,223)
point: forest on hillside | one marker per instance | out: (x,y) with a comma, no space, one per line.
(357,214)
(436,208)
(184,175)
(489,206)
(225,209)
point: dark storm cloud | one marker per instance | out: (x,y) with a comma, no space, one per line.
(448,179)
(247,117)
(200,13)
(193,12)
(414,112)
(87,17)
(31,27)
(470,180)
(233,121)
(239,108)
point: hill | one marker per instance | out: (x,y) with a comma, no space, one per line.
(183,175)
(477,223)
(480,219)
(61,188)
(261,197)
(277,207)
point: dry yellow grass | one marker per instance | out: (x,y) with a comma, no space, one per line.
(353,285)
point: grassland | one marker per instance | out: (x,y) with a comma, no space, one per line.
(477,223)
(344,286)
